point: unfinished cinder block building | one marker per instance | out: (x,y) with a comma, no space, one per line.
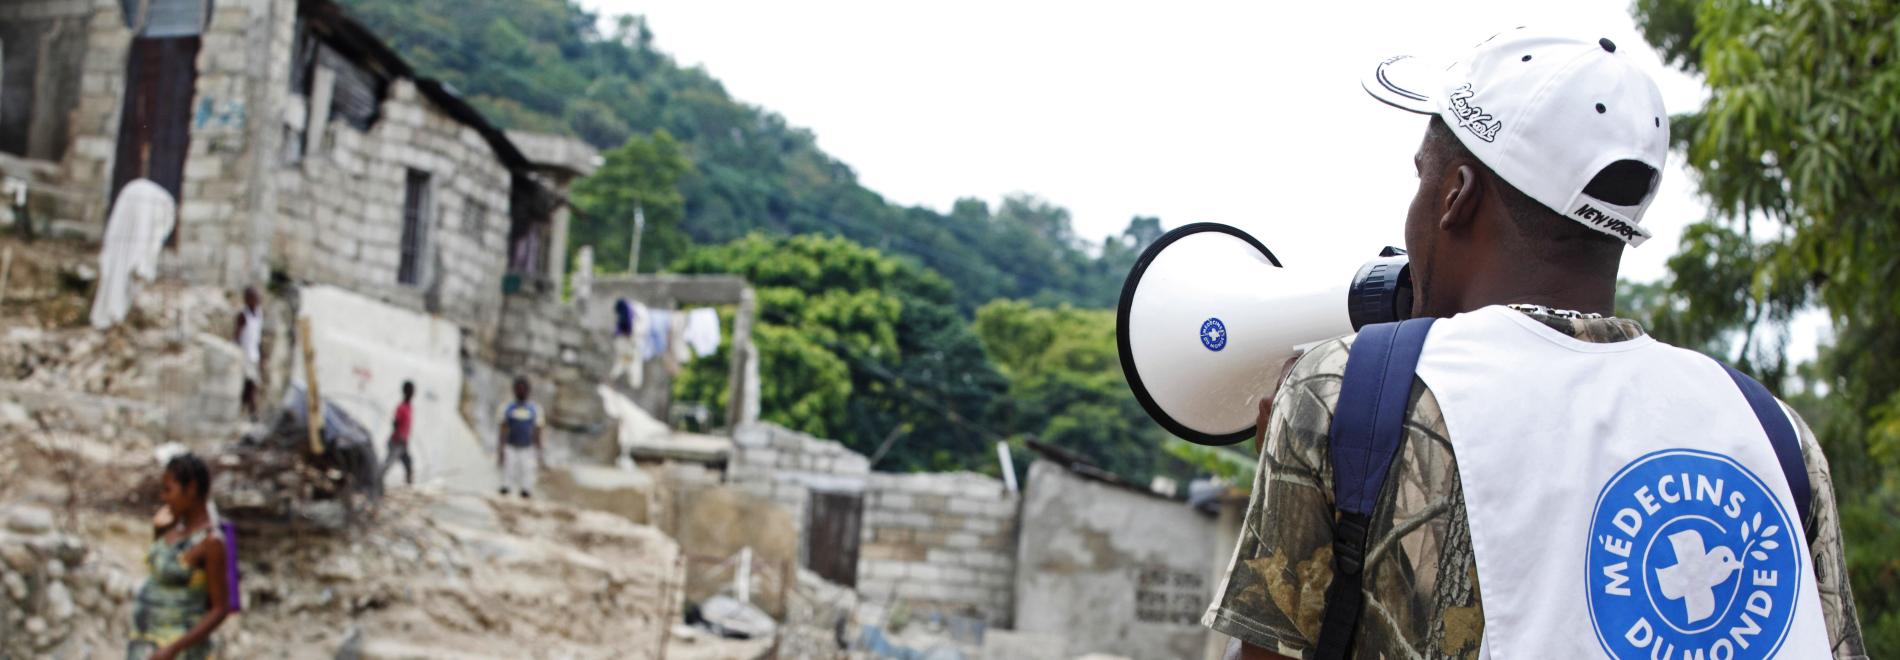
(297,147)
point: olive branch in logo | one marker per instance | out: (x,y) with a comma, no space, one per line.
(1767,543)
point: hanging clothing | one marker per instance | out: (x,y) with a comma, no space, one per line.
(640,333)
(677,353)
(702,331)
(626,362)
(623,317)
(135,233)
(659,325)
(630,338)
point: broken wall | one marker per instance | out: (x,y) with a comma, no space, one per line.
(364,351)
(940,543)
(73,172)
(1113,570)
(43,44)
(546,340)
(785,466)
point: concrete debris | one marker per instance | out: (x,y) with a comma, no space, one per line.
(29,520)
(820,620)
(727,617)
(625,491)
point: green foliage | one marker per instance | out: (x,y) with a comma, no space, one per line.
(547,65)
(857,346)
(1794,152)
(643,173)
(1066,386)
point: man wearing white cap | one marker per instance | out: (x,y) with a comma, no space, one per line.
(1557,483)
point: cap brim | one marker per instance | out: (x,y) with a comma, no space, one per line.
(1406,83)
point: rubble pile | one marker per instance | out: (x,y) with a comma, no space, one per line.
(274,475)
(820,621)
(55,601)
(443,574)
(158,375)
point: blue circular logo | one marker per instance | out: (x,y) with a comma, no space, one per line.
(1692,556)
(1213,334)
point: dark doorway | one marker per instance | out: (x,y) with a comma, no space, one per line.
(155,125)
(831,535)
(416,207)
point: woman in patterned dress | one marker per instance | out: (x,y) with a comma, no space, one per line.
(185,599)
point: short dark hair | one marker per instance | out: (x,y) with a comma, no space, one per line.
(188,470)
(522,381)
(1548,232)
(408,387)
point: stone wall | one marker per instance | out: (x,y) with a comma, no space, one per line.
(941,543)
(1112,569)
(784,466)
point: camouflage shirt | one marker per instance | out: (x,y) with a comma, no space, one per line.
(1421,583)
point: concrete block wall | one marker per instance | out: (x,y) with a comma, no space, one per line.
(940,542)
(545,340)
(341,211)
(243,68)
(85,171)
(784,466)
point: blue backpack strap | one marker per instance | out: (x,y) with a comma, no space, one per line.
(1368,427)
(1781,436)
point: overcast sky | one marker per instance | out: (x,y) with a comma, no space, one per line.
(1247,113)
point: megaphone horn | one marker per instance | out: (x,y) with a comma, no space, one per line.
(1208,315)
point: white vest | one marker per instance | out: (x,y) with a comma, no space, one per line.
(1623,498)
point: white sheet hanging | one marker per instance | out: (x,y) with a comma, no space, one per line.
(702,331)
(141,219)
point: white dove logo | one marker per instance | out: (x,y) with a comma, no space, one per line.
(1696,573)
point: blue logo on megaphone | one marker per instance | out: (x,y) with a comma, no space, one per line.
(1213,334)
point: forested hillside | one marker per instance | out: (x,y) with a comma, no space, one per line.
(547,65)
(868,329)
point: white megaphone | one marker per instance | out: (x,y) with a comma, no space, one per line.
(1208,316)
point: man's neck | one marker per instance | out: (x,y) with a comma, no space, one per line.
(1566,288)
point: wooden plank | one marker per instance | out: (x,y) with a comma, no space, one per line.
(313,405)
(6,266)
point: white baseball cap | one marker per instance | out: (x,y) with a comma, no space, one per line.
(1549,114)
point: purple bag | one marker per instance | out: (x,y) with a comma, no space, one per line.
(233,592)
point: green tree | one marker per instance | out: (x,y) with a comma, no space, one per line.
(857,346)
(643,175)
(1794,153)
(1066,386)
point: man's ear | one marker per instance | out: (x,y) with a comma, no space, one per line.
(1461,199)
